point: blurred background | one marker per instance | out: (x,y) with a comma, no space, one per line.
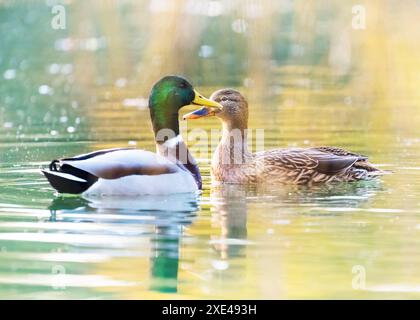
(344,73)
(291,52)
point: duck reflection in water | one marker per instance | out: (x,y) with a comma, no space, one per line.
(229,211)
(167,214)
(230,207)
(161,220)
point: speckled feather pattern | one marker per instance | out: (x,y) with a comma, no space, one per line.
(291,166)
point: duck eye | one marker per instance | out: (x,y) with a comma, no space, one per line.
(224,99)
(182,85)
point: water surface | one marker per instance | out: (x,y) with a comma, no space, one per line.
(84,88)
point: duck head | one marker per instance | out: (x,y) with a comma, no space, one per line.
(232,108)
(167,97)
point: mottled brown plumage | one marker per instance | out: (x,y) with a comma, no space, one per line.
(233,163)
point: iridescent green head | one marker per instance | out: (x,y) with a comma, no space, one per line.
(168,95)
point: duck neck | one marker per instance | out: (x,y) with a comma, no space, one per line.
(165,128)
(176,150)
(169,142)
(165,124)
(233,146)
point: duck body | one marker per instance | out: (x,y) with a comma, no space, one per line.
(301,166)
(120,171)
(233,163)
(127,171)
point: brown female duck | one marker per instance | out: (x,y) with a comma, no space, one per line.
(233,163)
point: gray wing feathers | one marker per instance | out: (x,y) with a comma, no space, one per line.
(310,159)
(120,163)
(332,165)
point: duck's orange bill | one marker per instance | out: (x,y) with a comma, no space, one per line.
(202,112)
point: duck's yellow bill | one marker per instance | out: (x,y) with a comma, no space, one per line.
(209,108)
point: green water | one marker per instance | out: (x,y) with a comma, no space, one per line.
(64,92)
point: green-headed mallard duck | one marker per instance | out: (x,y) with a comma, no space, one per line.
(233,163)
(128,171)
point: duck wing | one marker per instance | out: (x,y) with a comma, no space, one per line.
(117,163)
(310,159)
(331,164)
(340,152)
(362,160)
(77,174)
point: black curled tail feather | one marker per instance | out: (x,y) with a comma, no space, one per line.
(53,165)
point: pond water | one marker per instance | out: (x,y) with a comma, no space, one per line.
(65,92)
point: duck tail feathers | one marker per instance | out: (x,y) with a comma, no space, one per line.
(68,179)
